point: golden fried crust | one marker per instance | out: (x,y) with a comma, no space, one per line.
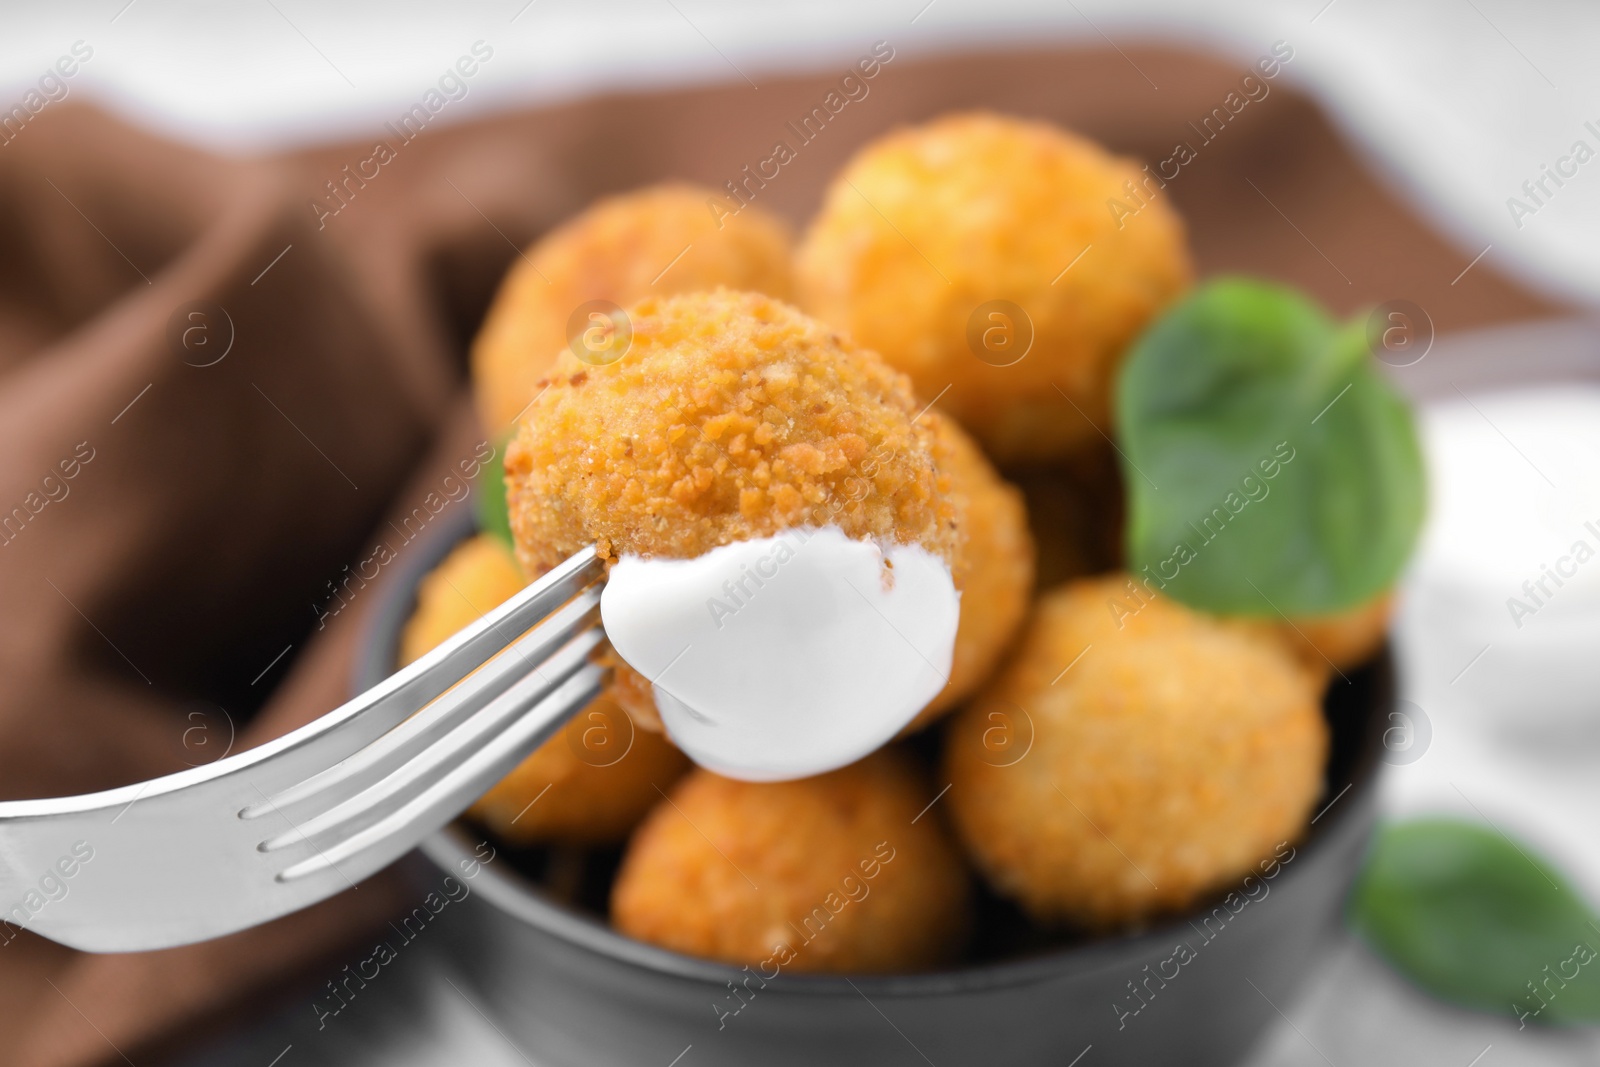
(929,222)
(1174,755)
(822,874)
(994,564)
(663,239)
(586,792)
(732,417)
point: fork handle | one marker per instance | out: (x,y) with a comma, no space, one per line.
(172,860)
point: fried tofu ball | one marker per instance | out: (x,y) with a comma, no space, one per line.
(660,240)
(586,792)
(1133,756)
(821,874)
(732,416)
(930,223)
(994,565)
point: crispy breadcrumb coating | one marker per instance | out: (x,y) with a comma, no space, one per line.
(732,417)
(994,564)
(929,222)
(587,792)
(822,874)
(1170,752)
(663,239)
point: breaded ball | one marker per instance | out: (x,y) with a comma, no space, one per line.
(731,417)
(929,223)
(820,874)
(994,565)
(1134,756)
(591,783)
(660,240)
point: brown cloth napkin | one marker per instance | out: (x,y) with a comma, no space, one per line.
(214,388)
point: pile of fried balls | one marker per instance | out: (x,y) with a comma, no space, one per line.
(1103,757)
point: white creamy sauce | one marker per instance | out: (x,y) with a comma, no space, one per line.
(786,656)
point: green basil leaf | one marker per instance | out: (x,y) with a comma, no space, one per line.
(1270,467)
(489,496)
(1476,918)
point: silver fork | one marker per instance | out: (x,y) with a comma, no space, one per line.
(250,837)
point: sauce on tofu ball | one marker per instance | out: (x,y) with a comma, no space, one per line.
(780,535)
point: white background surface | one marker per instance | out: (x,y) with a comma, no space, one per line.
(1457,102)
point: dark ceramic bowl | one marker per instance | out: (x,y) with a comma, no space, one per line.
(568,990)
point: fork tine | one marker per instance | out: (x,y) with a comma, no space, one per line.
(350,776)
(408,776)
(358,722)
(391,836)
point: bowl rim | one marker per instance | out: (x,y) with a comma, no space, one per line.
(513,895)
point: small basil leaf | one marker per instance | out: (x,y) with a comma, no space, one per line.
(1270,467)
(489,496)
(1475,918)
